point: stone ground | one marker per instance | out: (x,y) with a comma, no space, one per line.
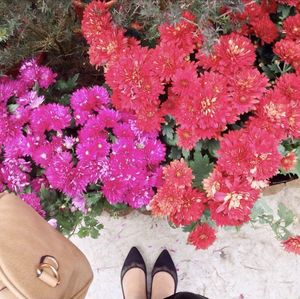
(240,265)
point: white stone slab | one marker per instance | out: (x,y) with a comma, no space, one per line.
(249,264)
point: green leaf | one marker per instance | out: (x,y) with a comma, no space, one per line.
(260,209)
(213,145)
(12,107)
(175,153)
(284,10)
(201,167)
(168,131)
(83,232)
(189,228)
(68,85)
(93,198)
(281,149)
(285,214)
(185,154)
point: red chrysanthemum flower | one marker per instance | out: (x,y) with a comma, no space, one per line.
(274,129)
(202,236)
(187,137)
(166,200)
(133,82)
(185,81)
(291,27)
(213,105)
(96,19)
(293,117)
(289,2)
(250,152)
(107,48)
(183,34)
(247,87)
(178,174)
(292,244)
(288,51)
(264,28)
(289,161)
(190,209)
(289,86)
(231,53)
(166,60)
(231,196)
(273,108)
(269,6)
(147,114)
(207,112)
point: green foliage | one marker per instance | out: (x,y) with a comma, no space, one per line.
(189,228)
(68,85)
(30,27)
(279,223)
(72,222)
(201,167)
(150,14)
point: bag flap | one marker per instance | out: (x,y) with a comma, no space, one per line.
(24,238)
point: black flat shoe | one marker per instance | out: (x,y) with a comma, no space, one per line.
(164,263)
(134,259)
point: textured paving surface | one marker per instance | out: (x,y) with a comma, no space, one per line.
(240,265)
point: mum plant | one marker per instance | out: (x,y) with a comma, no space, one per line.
(228,114)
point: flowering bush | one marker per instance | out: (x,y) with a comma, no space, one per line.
(221,103)
(190,134)
(47,145)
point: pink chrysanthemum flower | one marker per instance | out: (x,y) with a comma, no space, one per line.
(15,174)
(94,149)
(34,201)
(202,236)
(50,117)
(39,182)
(46,77)
(32,99)
(86,101)
(31,72)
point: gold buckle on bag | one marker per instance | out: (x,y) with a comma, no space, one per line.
(47,271)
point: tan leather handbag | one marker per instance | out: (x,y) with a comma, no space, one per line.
(36,261)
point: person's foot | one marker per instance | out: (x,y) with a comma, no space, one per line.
(134,284)
(133,276)
(163,285)
(164,277)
